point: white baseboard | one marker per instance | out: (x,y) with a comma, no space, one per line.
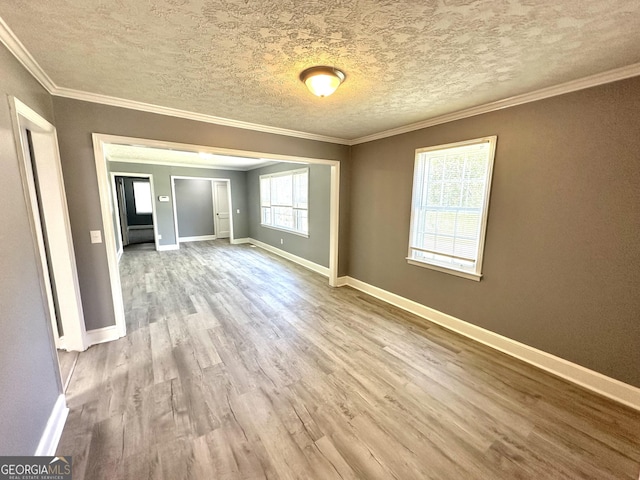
(200,238)
(290,256)
(342,282)
(53,431)
(238,241)
(165,248)
(592,380)
(102,335)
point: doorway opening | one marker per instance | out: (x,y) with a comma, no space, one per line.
(201,208)
(134,211)
(169,235)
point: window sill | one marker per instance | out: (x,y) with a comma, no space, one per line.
(451,271)
(293,232)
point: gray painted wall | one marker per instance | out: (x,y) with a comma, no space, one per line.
(315,248)
(194,207)
(162,187)
(562,257)
(76,120)
(29,385)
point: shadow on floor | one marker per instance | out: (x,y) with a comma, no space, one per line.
(136,247)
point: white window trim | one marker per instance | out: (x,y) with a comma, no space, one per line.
(281,229)
(282,174)
(475,274)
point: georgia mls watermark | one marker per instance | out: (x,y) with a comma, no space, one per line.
(35,468)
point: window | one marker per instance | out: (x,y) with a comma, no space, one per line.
(142,197)
(451,186)
(284,200)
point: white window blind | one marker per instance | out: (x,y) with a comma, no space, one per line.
(142,197)
(284,200)
(450,205)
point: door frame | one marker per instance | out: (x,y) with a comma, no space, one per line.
(106,203)
(213,203)
(114,192)
(57,224)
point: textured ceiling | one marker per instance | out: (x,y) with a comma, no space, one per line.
(405,61)
(136,154)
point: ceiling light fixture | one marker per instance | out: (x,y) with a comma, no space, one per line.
(322,81)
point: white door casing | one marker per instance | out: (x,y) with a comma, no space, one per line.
(55,218)
(121,225)
(105,202)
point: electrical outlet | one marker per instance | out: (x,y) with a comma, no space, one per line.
(238,210)
(282,241)
(159,237)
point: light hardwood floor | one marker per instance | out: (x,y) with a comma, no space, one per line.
(241,365)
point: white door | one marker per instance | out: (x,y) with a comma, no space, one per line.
(221,205)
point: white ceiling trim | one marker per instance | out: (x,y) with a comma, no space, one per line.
(199,117)
(15,46)
(568,87)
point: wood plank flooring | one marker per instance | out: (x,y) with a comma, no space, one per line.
(241,365)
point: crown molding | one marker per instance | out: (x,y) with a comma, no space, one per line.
(15,46)
(553,91)
(199,117)
(567,87)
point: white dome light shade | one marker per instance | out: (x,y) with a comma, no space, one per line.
(322,81)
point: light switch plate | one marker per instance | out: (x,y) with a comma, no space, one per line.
(96,236)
